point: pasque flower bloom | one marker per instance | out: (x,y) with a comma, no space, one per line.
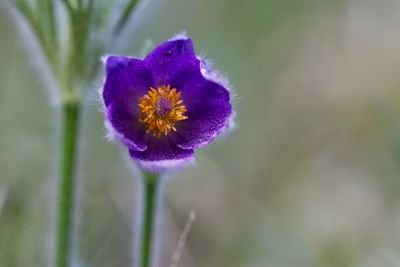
(166,105)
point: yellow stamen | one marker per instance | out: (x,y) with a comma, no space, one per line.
(161,109)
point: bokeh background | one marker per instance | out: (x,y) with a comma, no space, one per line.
(311,178)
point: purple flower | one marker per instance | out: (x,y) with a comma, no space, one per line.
(166,105)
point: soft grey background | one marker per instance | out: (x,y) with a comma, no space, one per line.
(310,177)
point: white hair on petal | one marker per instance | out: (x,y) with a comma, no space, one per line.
(112,135)
(180,36)
(95,98)
(99,97)
(110,132)
(209,73)
(163,165)
(104,59)
(230,125)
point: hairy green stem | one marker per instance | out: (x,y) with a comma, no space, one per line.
(66,190)
(151,183)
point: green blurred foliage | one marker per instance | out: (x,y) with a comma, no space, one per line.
(310,177)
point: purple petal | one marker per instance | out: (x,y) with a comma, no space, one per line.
(125,126)
(127,79)
(203,124)
(170,58)
(162,154)
(196,89)
(229,126)
(205,96)
(209,111)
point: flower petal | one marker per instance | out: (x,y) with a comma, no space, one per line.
(124,125)
(209,109)
(204,123)
(205,96)
(196,89)
(162,154)
(127,79)
(170,58)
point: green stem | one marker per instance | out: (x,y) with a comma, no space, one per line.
(151,182)
(70,116)
(125,16)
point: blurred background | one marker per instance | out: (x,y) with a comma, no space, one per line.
(311,178)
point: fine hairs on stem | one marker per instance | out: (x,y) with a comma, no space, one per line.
(67,183)
(67,70)
(151,187)
(89,30)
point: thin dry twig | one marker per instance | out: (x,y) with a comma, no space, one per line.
(182,240)
(3,194)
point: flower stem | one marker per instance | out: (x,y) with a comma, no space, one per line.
(151,182)
(66,190)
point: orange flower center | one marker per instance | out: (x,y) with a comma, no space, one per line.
(161,109)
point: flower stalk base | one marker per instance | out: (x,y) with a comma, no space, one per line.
(66,184)
(151,184)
